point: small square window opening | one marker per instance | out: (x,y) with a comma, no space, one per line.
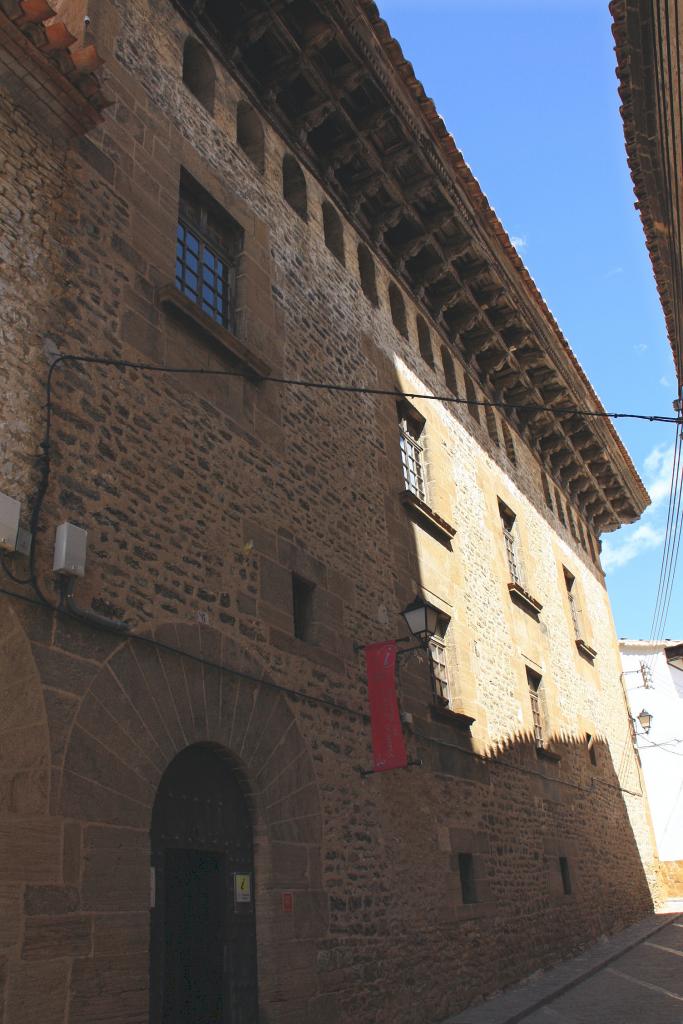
(302,607)
(566,876)
(467,883)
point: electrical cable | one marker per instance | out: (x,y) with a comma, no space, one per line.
(123,364)
(361,390)
(666,550)
(291,692)
(671,545)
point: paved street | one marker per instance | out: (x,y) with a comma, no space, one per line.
(634,978)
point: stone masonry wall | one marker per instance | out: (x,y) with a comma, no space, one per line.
(201,497)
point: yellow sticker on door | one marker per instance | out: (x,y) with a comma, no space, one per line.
(242,888)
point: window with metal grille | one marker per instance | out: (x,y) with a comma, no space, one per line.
(575,611)
(535,697)
(208,244)
(412,452)
(439,664)
(508,522)
(560,507)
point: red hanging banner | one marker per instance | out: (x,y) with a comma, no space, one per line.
(388,745)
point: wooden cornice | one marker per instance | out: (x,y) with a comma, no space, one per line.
(333,84)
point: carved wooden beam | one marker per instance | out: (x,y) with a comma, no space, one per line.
(487,295)
(492,359)
(317,34)
(386,219)
(454,247)
(443,294)
(436,220)
(560,459)
(460,317)
(476,339)
(551,392)
(525,357)
(373,119)
(472,270)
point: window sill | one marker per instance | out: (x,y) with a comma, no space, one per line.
(585,650)
(520,596)
(420,510)
(545,754)
(169,296)
(444,714)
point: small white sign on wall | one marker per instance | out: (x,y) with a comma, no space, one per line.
(242,888)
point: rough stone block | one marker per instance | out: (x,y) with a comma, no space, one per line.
(37,992)
(47,938)
(30,851)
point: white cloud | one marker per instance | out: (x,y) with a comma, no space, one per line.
(635,540)
(664,381)
(658,468)
(631,541)
(614,272)
(519,242)
(641,347)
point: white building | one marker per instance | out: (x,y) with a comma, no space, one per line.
(653,679)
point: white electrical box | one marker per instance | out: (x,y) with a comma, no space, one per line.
(9,522)
(71,543)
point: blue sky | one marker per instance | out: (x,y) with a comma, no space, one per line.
(529,92)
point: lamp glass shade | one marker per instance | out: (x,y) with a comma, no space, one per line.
(421,618)
(645,719)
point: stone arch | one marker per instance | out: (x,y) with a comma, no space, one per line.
(31,842)
(24,736)
(144,706)
(199,74)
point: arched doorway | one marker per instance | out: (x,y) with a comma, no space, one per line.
(203,935)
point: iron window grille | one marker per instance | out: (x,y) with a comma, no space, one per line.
(412,456)
(439,663)
(534,682)
(507,519)
(208,244)
(574,609)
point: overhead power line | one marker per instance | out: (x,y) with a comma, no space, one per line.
(356,389)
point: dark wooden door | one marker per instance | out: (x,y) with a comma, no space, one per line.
(203,941)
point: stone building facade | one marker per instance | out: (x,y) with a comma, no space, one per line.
(205,764)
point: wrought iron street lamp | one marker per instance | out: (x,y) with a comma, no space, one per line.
(645,719)
(421,619)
